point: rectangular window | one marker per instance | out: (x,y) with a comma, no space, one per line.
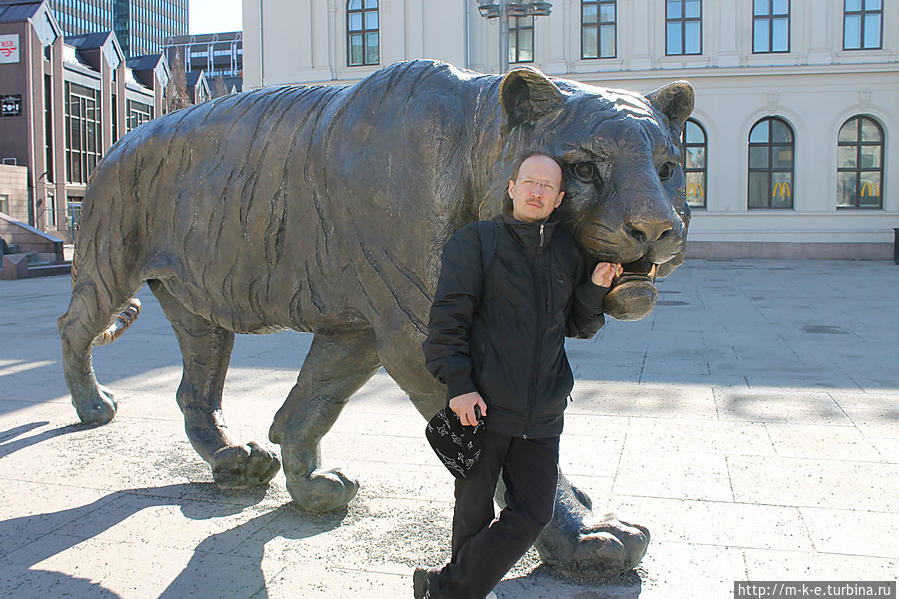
(683,27)
(48,126)
(4,203)
(521,39)
(363,39)
(51,209)
(138,114)
(83,144)
(862,24)
(770,26)
(598,28)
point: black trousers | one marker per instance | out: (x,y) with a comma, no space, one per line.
(485,547)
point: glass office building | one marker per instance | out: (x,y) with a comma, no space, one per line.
(83,16)
(141,26)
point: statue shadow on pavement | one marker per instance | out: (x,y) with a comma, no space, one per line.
(10,444)
(222,564)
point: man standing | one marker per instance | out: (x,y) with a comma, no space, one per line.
(496,339)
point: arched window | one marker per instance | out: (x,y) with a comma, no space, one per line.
(362,37)
(860,164)
(771,160)
(694,149)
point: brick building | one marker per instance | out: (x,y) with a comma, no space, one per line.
(65,102)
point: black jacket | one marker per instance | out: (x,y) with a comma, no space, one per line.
(502,334)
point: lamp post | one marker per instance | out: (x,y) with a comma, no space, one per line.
(502,10)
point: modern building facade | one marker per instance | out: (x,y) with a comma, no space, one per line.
(65,102)
(216,54)
(77,17)
(789,150)
(141,26)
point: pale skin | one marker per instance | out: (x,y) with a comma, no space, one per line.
(535,193)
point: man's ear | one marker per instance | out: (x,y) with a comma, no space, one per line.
(675,101)
(527,94)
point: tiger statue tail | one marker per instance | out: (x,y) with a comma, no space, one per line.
(122,321)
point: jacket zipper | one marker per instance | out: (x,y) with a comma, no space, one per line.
(532,399)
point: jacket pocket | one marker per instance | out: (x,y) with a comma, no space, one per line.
(559,291)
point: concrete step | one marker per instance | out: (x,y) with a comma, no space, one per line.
(48,270)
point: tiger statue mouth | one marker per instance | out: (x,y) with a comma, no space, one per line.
(633,293)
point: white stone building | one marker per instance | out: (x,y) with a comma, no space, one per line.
(797,101)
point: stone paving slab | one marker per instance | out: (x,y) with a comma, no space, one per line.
(815,482)
(874,534)
(717,523)
(751,422)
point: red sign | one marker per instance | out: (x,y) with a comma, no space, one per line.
(9,48)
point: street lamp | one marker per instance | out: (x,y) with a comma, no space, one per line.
(502,10)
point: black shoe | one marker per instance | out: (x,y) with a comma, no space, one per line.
(421,583)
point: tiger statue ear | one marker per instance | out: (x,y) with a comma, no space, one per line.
(675,101)
(526,94)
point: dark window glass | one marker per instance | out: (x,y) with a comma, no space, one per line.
(363,39)
(48,127)
(598,23)
(771,160)
(694,149)
(83,144)
(138,114)
(770,26)
(521,39)
(683,27)
(862,24)
(860,164)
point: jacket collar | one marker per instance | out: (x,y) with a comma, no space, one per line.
(530,236)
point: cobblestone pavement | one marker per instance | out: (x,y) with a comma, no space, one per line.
(751,422)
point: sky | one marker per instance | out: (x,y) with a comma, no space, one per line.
(215,16)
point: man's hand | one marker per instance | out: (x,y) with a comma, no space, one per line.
(463,405)
(605,272)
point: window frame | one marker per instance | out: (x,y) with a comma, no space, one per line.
(862,13)
(858,169)
(705,162)
(514,28)
(598,28)
(363,32)
(769,17)
(683,19)
(78,122)
(771,146)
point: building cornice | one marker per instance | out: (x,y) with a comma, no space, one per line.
(741,71)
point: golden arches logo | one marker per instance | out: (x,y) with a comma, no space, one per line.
(869,188)
(695,190)
(781,189)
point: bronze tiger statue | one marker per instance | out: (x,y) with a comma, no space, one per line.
(325,210)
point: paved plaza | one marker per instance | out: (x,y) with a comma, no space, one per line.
(751,422)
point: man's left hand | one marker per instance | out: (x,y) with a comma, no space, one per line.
(605,272)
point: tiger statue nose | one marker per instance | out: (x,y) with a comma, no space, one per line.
(648,231)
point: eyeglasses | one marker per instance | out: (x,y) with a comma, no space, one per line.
(544,186)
